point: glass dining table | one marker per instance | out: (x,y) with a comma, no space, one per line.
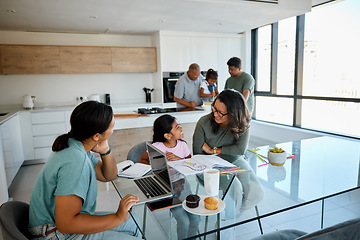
(318,168)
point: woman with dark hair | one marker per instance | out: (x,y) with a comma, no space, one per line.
(63,200)
(226,129)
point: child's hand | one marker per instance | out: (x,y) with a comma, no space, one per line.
(172,157)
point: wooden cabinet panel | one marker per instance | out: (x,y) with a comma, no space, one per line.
(85,59)
(19,59)
(134,59)
(31,59)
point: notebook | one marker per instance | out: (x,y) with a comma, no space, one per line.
(156,185)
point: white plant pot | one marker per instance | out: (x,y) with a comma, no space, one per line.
(277,159)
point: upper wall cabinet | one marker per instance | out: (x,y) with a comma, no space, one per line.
(30,59)
(85,59)
(33,59)
(133,59)
(178,52)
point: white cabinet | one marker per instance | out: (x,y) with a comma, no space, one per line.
(175,53)
(204,51)
(12,147)
(227,48)
(46,127)
(4,195)
(27,136)
(209,51)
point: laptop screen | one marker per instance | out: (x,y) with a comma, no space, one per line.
(159,165)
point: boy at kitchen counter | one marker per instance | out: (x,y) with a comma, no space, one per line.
(208,88)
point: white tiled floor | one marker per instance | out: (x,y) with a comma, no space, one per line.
(306,218)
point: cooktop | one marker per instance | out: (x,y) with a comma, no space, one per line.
(166,110)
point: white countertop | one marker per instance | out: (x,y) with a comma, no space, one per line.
(121,123)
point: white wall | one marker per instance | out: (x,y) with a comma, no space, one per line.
(59,89)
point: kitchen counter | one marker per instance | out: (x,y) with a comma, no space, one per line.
(120,123)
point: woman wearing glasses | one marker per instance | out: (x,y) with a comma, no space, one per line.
(226,129)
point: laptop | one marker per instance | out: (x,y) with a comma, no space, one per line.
(157,185)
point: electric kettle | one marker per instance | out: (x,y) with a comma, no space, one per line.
(94,97)
(29,101)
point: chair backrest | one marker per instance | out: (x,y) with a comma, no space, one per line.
(348,230)
(136,151)
(14,219)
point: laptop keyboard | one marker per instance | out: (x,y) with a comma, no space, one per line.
(149,187)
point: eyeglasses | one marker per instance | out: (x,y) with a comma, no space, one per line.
(213,108)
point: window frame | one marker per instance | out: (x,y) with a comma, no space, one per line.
(298,78)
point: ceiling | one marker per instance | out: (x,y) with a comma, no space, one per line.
(145,16)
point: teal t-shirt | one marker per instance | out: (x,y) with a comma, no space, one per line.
(241,83)
(67,172)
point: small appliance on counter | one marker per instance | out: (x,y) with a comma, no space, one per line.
(94,97)
(29,101)
(107,99)
(151,110)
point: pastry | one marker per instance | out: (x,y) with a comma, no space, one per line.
(192,201)
(211,203)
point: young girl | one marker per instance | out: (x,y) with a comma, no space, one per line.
(167,137)
(208,88)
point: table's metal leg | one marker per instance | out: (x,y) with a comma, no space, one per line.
(144,220)
(217,226)
(206,222)
(322,214)
(257,214)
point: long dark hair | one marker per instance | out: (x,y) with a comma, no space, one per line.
(86,120)
(237,110)
(162,125)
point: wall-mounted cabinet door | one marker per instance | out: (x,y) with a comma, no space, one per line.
(227,48)
(30,59)
(85,59)
(133,59)
(175,53)
(204,51)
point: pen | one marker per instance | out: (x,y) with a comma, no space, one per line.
(125,168)
(263,164)
(235,171)
(260,158)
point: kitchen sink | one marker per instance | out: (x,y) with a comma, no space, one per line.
(3,114)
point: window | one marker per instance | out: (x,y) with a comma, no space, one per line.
(286,57)
(264,59)
(279,110)
(332,50)
(314,62)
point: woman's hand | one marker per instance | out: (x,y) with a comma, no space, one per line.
(172,157)
(207,149)
(101,147)
(124,206)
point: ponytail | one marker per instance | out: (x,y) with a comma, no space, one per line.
(61,142)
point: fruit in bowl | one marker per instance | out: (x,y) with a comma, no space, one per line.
(277,156)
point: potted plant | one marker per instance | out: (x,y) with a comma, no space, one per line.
(277,156)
